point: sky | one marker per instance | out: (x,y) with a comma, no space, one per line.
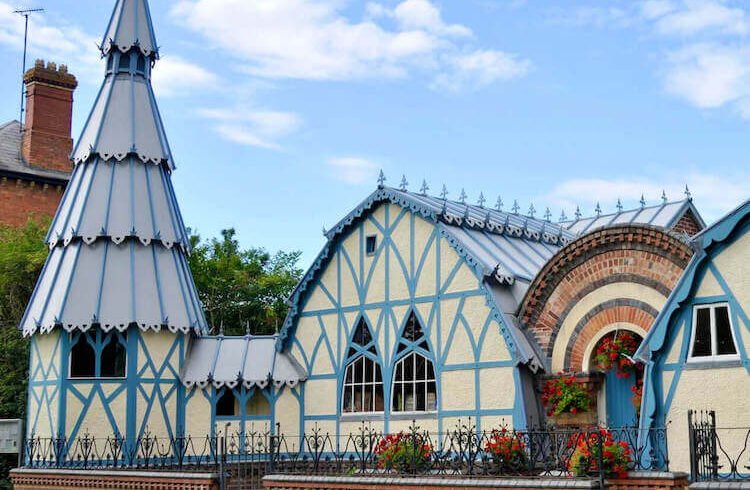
(281,113)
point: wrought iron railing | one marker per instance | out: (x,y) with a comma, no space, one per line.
(717,453)
(464,450)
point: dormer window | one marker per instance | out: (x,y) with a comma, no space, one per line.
(712,335)
(124,64)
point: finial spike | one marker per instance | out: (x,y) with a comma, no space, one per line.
(462,197)
(247,327)
(664,196)
(444,193)
(221,327)
(532,210)
(499,203)
(598,209)
(423,190)
(404,183)
(688,195)
(643,201)
(325,232)
(578,213)
(381,179)
(563,218)
(619,205)
(547,214)
(481,200)
(515,207)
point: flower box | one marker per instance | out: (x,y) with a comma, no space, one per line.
(580,419)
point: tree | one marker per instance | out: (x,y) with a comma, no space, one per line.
(242,287)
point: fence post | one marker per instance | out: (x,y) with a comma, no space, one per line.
(694,476)
(602,474)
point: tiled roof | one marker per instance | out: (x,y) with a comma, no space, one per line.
(12,163)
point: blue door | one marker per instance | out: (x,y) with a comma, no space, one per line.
(619,393)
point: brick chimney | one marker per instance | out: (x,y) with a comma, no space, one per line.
(46,141)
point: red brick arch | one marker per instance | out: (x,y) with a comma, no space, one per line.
(634,253)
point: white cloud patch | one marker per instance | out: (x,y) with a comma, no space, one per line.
(260,128)
(314,40)
(479,68)
(714,194)
(695,16)
(352,170)
(174,76)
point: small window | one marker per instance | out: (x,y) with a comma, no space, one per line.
(124,64)
(363,386)
(414,386)
(97,354)
(83,359)
(371,243)
(712,336)
(141,64)
(226,405)
(113,359)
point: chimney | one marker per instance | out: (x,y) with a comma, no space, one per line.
(46,141)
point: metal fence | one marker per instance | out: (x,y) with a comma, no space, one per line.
(464,450)
(717,453)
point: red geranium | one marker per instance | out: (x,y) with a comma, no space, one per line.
(615,456)
(566,394)
(615,352)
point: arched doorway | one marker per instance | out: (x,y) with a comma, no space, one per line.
(611,355)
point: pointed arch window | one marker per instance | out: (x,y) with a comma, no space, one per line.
(98,354)
(226,404)
(363,378)
(414,387)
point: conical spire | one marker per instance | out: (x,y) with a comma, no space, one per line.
(130,27)
(117,243)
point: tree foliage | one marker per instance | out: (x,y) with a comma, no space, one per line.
(240,287)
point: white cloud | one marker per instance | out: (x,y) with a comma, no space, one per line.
(352,170)
(174,76)
(709,75)
(694,16)
(261,128)
(479,68)
(713,194)
(314,40)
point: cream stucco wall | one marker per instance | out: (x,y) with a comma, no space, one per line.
(44,378)
(414,268)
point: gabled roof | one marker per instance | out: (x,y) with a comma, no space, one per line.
(12,163)
(704,241)
(507,249)
(663,215)
(229,361)
(130,27)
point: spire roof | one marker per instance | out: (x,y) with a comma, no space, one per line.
(130,27)
(118,244)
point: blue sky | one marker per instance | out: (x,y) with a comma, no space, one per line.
(280,113)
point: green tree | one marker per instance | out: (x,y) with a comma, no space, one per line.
(242,286)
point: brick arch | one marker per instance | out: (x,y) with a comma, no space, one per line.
(618,310)
(623,254)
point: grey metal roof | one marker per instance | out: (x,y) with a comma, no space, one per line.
(112,261)
(130,27)
(117,200)
(114,285)
(663,215)
(229,361)
(124,120)
(12,162)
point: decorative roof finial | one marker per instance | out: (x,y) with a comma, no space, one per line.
(423,190)
(578,213)
(381,179)
(515,207)
(221,327)
(462,197)
(547,214)
(643,201)
(619,205)
(563,218)
(532,210)
(688,195)
(325,232)
(664,196)
(481,200)
(247,327)
(404,183)
(444,193)
(499,203)
(598,209)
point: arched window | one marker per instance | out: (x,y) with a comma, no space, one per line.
(257,405)
(226,405)
(414,385)
(112,362)
(83,359)
(363,379)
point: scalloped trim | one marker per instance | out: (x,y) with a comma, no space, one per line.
(145,240)
(107,327)
(247,383)
(83,156)
(106,48)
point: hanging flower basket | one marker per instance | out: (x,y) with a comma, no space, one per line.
(569,402)
(616,352)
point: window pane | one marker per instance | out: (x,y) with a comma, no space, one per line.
(113,358)
(379,397)
(358,399)
(409,367)
(82,359)
(420,395)
(368,398)
(348,405)
(702,343)
(398,398)
(378,374)
(430,371)
(359,370)
(225,404)
(421,372)
(724,342)
(431,396)
(349,377)
(369,371)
